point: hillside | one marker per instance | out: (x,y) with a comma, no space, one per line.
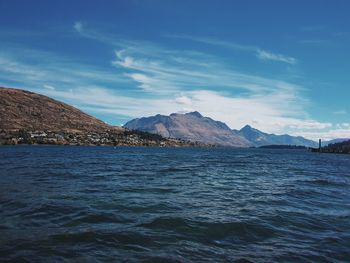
(20,109)
(190,126)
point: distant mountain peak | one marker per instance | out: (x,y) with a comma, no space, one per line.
(247,127)
(195,113)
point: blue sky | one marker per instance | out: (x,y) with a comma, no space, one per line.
(280,66)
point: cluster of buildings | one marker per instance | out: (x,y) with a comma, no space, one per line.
(112,138)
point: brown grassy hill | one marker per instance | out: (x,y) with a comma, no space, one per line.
(20,109)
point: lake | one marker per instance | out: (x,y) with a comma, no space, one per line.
(91,204)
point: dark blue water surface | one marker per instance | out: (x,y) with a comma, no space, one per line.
(90,204)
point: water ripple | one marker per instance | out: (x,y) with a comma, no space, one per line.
(104,204)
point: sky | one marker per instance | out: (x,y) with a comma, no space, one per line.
(279,66)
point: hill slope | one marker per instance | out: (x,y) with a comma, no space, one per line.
(20,109)
(190,126)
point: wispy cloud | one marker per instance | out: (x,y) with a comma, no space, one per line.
(36,68)
(49,87)
(259,52)
(313,28)
(78,26)
(264,55)
(318,42)
(177,70)
(340,112)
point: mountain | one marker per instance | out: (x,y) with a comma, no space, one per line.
(194,127)
(20,109)
(190,126)
(259,138)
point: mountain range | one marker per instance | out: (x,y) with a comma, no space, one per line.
(195,127)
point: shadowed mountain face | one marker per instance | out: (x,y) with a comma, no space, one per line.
(259,138)
(193,126)
(21,109)
(190,126)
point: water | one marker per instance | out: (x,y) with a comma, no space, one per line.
(90,204)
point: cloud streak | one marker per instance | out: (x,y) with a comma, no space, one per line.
(259,52)
(264,55)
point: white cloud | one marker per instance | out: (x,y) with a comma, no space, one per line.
(49,87)
(78,26)
(265,55)
(184,100)
(145,82)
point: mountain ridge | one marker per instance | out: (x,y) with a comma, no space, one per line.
(259,138)
(189,126)
(209,131)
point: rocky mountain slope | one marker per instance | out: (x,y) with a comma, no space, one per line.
(194,127)
(190,126)
(20,109)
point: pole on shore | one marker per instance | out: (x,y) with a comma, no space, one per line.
(319,145)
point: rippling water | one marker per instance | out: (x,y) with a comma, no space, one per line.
(173,205)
